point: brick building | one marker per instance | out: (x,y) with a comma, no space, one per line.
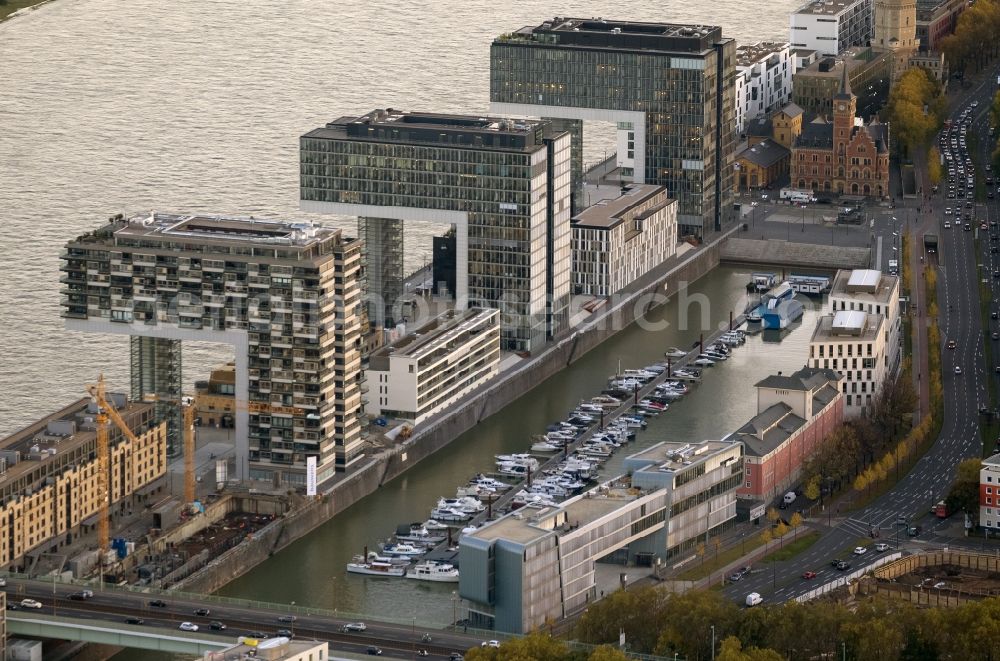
(794,414)
(845,155)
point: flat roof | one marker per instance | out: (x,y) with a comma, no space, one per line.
(752,53)
(854,57)
(436,333)
(674,455)
(849,320)
(62,431)
(619,35)
(607,214)
(827,7)
(220,228)
(530,523)
(864,285)
(827,331)
(468,131)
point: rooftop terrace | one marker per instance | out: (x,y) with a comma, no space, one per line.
(606,214)
(620,35)
(438,333)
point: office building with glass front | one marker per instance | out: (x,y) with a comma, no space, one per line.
(671,85)
(505,185)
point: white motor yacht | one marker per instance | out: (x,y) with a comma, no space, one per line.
(431,524)
(440,572)
(403,550)
(704,362)
(375,568)
(674,352)
(545,446)
(450,514)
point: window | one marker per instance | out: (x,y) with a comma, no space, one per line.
(748,484)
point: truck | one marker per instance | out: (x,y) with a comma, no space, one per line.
(795,195)
(930,243)
(941,510)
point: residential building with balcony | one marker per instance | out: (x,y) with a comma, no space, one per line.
(832,26)
(619,240)
(853,344)
(763,80)
(874,292)
(285,295)
(50,487)
(435,365)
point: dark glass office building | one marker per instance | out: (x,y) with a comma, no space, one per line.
(673,83)
(504,184)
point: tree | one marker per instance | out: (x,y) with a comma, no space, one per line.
(934,168)
(607,653)
(861,482)
(811,488)
(688,620)
(964,492)
(732,650)
(795,522)
(639,612)
(535,646)
(891,411)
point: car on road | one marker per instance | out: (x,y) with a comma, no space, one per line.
(967,227)
(952,344)
(735,576)
(134,620)
(30,603)
(913,531)
(202,612)
(860,550)
(958,369)
(490,643)
(881,546)
(940,584)
(284,633)
(373,651)
(3,582)
(288,619)
(809,575)
(79,596)
(455,656)
(12,606)
(188,626)
(994,314)
(255,634)
(158,603)
(842,565)
(947,225)
(354,626)
(216,626)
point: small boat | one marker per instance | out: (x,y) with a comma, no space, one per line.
(375,568)
(489,483)
(403,550)
(440,572)
(431,524)
(545,446)
(704,362)
(590,408)
(674,352)
(420,535)
(605,401)
(713,355)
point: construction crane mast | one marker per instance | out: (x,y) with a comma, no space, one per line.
(105,411)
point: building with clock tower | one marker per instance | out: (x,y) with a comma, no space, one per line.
(844,156)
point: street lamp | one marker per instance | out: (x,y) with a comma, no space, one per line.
(454,608)
(713,642)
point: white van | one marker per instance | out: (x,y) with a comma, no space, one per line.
(789,497)
(893,267)
(753,599)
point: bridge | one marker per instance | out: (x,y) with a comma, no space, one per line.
(147,618)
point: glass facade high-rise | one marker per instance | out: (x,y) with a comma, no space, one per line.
(505,185)
(674,83)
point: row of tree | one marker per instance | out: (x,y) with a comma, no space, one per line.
(976,39)
(916,109)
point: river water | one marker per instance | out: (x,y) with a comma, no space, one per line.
(196,105)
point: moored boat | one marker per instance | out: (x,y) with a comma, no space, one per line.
(440,572)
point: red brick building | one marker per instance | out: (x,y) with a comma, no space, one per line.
(846,156)
(794,414)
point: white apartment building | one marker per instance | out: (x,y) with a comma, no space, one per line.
(435,365)
(873,292)
(763,80)
(618,240)
(853,344)
(830,26)
(989,493)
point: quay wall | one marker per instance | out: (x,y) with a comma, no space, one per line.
(439,432)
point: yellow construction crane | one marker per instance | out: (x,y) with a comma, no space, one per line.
(187,416)
(105,411)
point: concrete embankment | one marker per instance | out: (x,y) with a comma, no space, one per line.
(439,432)
(789,253)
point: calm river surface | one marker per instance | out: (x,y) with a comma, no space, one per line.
(196,105)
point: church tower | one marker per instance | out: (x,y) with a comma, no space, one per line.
(896,32)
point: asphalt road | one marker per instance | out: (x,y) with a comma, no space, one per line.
(965,393)
(395,640)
